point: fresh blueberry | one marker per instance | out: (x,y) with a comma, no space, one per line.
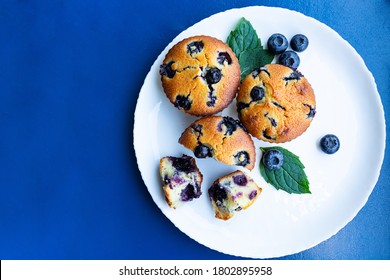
(213,75)
(183,164)
(242,158)
(330,143)
(299,42)
(202,151)
(224,56)
(277,43)
(289,59)
(166,70)
(240,180)
(273,159)
(257,93)
(195,47)
(183,102)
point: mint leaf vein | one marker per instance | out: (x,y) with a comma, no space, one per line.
(245,43)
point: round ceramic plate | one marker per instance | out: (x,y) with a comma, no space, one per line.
(278,223)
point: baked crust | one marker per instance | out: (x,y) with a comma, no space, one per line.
(200,75)
(224,137)
(276,103)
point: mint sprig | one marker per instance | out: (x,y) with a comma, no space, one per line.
(245,43)
(290,177)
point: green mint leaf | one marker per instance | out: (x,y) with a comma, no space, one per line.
(245,43)
(243,37)
(252,59)
(290,177)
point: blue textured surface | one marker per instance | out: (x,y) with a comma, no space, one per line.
(70,74)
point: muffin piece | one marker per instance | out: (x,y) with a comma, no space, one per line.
(200,75)
(222,138)
(181,179)
(276,103)
(233,192)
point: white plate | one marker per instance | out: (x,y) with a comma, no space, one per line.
(277,224)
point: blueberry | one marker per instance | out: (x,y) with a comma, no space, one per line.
(274,123)
(183,164)
(212,98)
(177,179)
(240,180)
(202,151)
(257,71)
(277,43)
(295,75)
(242,158)
(289,59)
(299,42)
(224,56)
(330,143)
(257,93)
(183,102)
(166,70)
(230,125)
(273,159)
(241,105)
(312,111)
(190,192)
(213,75)
(279,105)
(252,194)
(195,47)
(217,193)
(166,179)
(198,130)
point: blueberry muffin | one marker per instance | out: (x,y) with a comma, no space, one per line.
(276,103)
(222,138)
(200,75)
(233,192)
(181,179)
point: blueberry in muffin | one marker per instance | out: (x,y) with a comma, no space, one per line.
(200,75)
(222,138)
(276,103)
(181,179)
(233,192)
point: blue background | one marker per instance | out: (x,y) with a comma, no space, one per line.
(70,74)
